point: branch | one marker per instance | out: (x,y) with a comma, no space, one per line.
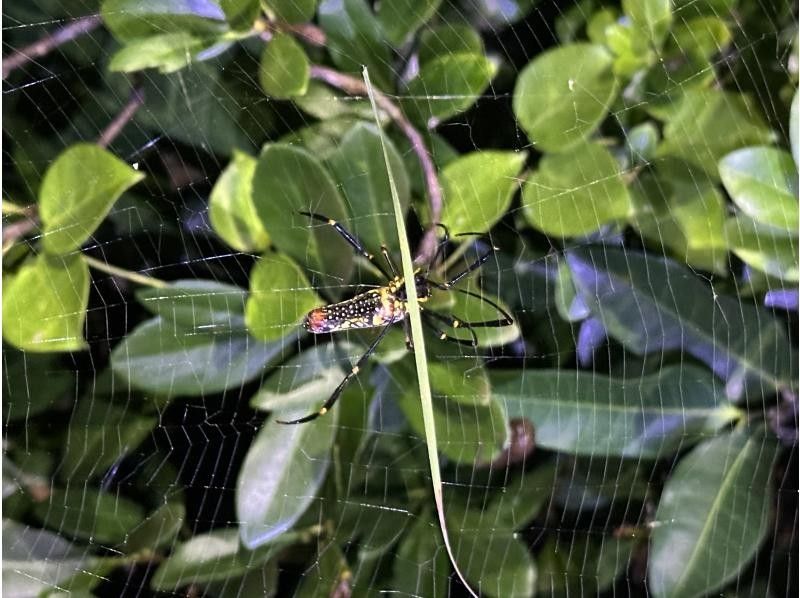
(115,127)
(50,41)
(354,86)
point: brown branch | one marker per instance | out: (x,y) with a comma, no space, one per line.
(50,41)
(115,127)
(353,86)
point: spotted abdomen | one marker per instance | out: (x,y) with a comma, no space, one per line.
(373,309)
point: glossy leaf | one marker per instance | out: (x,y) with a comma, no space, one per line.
(168,53)
(355,39)
(131,19)
(474,309)
(713,515)
(478,189)
(762,181)
(563,94)
(240,14)
(653,17)
(199,306)
(446,39)
(705,36)
(446,86)
(401,18)
(709,124)
(421,567)
(100,435)
(85,513)
(360,172)
(284,69)
(281,474)
(328,576)
(44,304)
(280,296)
(77,192)
(291,11)
(33,383)
(464,383)
(213,556)
(163,358)
(160,528)
(230,206)
(651,304)
(586,413)
(325,103)
(767,249)
(574,193)
(289,180)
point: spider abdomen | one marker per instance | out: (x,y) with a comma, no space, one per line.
(373,309)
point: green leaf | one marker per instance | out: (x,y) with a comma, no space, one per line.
(461,382)
(400,18)
(231,209)
(467,432)
(653,305)
(713,515)
(281,475)
(704,36)
(794,127)
(199,306)
(168,53)
(358,168)
(355,38)
(284,69)
(563,95)
(325,103)
(240,14)
(33,383)
(652,17)
(762,181)
(289,180)
(131,19)
(321,139)
(477,309)
(478,188)
(587,413)
(329,575)
(446,39)
(574,193)
(575,565)
(279,297)
(160,528)
(767,249)
(214,556)
(291,11)
(77,192)
(709,124)
(100,434)
(631,48)
(446,86)
(44,304)
(85,513)
(160,357)
(421,568)
(36,560)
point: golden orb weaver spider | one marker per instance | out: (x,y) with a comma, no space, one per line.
(387,305)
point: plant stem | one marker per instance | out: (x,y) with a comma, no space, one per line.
(115,127)
(353,86)
(126,274)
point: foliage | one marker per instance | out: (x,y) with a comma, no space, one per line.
(635,163)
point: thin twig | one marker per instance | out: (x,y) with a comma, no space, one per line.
(50,41)
(115,127)
(354,86)
(149,281)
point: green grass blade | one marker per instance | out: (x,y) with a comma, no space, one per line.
(420,355)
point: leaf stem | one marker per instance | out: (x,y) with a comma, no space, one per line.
(115,127)
(353,86)
(420,356)
(126,274)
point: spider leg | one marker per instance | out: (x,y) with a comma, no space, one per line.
(506,320)
(390,262)
(407,330)
(328,405)
(347,236)
(452,323)
(471,268)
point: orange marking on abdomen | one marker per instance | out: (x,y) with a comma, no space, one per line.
(315,320)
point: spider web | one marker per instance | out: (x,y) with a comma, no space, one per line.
(578,517)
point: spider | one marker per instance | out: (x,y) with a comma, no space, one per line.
(387,305)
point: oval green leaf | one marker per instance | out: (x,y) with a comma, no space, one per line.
(713,514)
(280,477)
(132,19)
(401,18)
(574,193)
(77,192)
(279,297)
(563,95)
(284,70)
(478,188)
(230,206)
(446,39)
(289,180)
(590,414)
(291,11)
(767,249)
(651,17)
(44,304)
(168,53)
(762,181)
